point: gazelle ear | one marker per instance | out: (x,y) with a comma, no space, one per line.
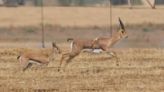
(53,44)
(56,47)
(121,24)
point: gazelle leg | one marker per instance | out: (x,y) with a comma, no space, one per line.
(24,62)
(69,60)
(68,57)
(62,59)
(46,63)
(113,54)
(28,66)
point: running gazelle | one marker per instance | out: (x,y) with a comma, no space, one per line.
(27,58)
(103,43)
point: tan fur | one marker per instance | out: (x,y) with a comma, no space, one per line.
(77,46)
(104,43)
(27,58)
(107,42)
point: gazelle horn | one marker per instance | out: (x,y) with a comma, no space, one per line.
(121,24)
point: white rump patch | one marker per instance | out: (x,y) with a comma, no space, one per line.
(71,46)
(94,51)
(96,39)
(34,62)
(20,59)
(97,50)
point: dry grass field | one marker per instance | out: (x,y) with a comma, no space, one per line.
(144,25)
(139,70)
(78,16)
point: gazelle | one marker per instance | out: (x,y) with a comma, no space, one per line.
(103,43)
(28,58)
(77,46)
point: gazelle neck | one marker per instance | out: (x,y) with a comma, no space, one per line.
(115,38)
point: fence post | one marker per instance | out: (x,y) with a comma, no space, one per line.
(42,24)
(111,28)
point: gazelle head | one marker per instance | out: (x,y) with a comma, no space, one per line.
(56,49)
(122,32)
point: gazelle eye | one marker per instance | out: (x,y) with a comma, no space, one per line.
(122,31)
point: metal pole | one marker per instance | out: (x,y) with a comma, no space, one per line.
(42,24)
(129,3)
(111,28)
